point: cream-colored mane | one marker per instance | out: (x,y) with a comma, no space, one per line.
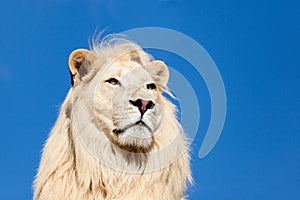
(96,149)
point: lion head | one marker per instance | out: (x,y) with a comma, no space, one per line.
(126,93)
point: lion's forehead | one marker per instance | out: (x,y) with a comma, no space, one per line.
(128,72)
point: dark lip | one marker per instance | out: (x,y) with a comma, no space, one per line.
(140,122)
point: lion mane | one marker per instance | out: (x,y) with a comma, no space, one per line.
(92,152)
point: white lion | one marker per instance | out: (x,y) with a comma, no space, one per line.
(117,136)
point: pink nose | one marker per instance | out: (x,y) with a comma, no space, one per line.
(143,105)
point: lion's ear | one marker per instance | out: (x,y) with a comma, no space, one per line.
(159,72)
(79,63)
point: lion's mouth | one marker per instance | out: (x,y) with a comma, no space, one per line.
(118,131)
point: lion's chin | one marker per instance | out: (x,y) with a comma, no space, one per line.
(136,137)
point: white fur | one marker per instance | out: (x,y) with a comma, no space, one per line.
(84,159)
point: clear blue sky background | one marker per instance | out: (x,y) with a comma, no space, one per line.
(255,44)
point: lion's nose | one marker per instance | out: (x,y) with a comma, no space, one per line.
(143,105)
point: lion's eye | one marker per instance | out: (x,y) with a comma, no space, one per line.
(113,81)
(151,86)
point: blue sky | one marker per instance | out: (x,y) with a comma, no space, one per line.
(255,44)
